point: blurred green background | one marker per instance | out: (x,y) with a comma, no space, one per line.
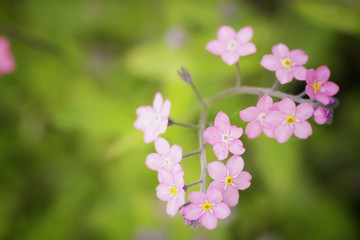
(72,164)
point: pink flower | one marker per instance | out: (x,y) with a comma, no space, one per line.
(322,115)
(224,137)
(207,208)
(153,121)
(231,45)
(318,86)
(171,190)
(7,63)
(286,64)
(229,179)
(256,115)
(290,119)
(165,158)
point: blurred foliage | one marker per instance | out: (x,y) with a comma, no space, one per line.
(72,165)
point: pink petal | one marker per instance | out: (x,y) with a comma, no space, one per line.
(299,72)
(242,182)
(236,147)
(274,119)
(230,57)
(158,101)
(322,97)
(225,33)
(322,73)
(283,75)
(221,210)
(150,134)
(245,34)
(197,197)
(235,132)
(222,122)
(269,132)
(298,57)
(144,114)
(330,88)
(287,106)
(163,192)
(166,177)
(246,49)
(310,76)
(176,154)
(154,161)
(283,133)
(253,130)
(214,196)
(208,220)
(281,51)
(212,135)
(304,111)
(193,211)
(217,185)
(221,150)
(302,129)
(249,114)
(179,180)
(165,111)
(310,91)
(162,146)
(216,47)
(217,170)
(235,164)
(271,62)
(231,196)
(172,207)
(265,103)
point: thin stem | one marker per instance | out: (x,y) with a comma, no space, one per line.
(203,162)
(238,75)
(191,154)
(192,184)
(300,95)
(198,95)
(172,122)
(275,86)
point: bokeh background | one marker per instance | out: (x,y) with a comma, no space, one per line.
(72,164)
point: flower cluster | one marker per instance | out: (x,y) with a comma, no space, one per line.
(7,63)
(280,120)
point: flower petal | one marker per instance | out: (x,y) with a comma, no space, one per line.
(214,196)
(225,33)
(246,49)
(154,161)
(216,47)
(221,210)
(298,57)
(212,135)
(193,211)
(165,111)
(217,170)
(144,114)
(265,103)
(236,147)
(249,114)
(287,106)
(222,122)
(231,196)
(253,130)
(283,75)
(302,129)
(281,51)
(208,220)
(304,111)
(162,146)
(331,88)
(175,154)
(217,185)
(179,179)
(283,133)
(245,34)
(299,72)
(163,192)
(322,74)
(166,177)
(271,62)
(235,132)
(197,197)
(158,102)
(221,150)
(273,119)
(235,164)
(242,182)
(230,58)
(172,207)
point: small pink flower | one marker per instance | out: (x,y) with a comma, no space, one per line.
(231,45)
(256,116)
(318,86)
(224,137)
(7,63)
(286,64)
(153,121)
(229,179)
(165,158)
(290,119)
(171,190)
(207,208)
(322,115)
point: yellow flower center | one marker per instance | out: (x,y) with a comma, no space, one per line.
(207,206)
(173,190)
(290,119)
(316,86)
(228,180)
(286,63)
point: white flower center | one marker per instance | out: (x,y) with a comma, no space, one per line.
(225,138)
(261,117)
(167,162)
(231,45)
(157,118)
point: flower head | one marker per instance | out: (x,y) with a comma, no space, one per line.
(171,190)
(231,45)
(289,119)
(207,208)
(153,121)
(229,179)
(224,137)
(318,87)
(7,63)
(322,115)
(286,64)
(166,157)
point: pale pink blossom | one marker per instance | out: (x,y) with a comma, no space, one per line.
(7,63)
(224,137)
(166,157)
(207,208)
(229,179)
(256,116)
(231,45)
(318,87)
(153,121)
(171,190)
(290,119)
(286,64)
(322,115)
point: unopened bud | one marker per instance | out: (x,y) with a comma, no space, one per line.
(185,75)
